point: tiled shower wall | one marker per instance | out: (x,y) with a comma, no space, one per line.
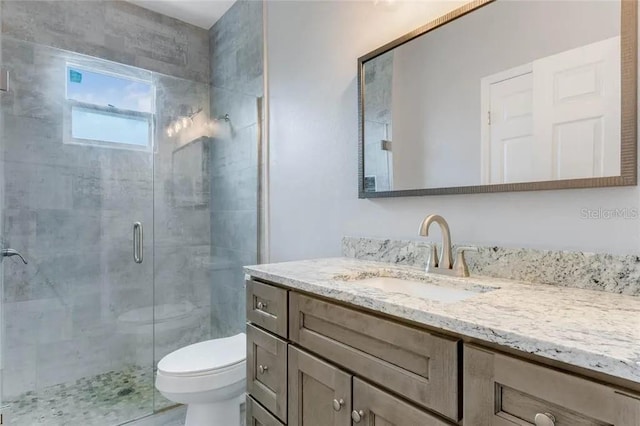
(236,42)
(114,30)
(70,209)
(378,77)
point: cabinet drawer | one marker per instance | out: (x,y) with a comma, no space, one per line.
(411,362)
(258,416)
(267,370)
(267,307)
(378,408)
(505,391)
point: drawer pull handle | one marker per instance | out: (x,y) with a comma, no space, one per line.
(357,416)
(337,404)
(544,419)
(263,369)
(262,306)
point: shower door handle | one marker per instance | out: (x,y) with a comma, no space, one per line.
(4,80)
(138,240)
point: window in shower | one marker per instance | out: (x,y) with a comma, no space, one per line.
(107,109)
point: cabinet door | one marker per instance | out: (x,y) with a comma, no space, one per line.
(319,393)
(504,391)
(375,407)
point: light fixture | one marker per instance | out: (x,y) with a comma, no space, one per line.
(182,121)
(185,120)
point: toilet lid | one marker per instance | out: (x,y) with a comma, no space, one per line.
(205,356)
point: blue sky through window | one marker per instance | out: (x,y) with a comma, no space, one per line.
(107,89)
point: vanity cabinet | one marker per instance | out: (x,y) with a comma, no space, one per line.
(399,375)
(334,365)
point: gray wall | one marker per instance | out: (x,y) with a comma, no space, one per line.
(313,48)
(236,83)
(114,30)
(70,209)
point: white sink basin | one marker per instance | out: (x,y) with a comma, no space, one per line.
(419,289)
(439,288)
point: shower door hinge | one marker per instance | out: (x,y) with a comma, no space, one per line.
(4,87)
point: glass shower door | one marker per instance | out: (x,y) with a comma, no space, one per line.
(3,88)
(77,159)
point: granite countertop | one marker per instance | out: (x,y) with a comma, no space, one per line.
(590,329)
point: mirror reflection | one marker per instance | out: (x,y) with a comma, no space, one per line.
(515,91)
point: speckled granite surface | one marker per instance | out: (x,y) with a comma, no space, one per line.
(595,330)
(605,272)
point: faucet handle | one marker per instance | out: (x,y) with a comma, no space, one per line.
(465,248)
(460,265)
(433,261)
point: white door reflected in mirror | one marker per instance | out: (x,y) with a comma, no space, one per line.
(551,119)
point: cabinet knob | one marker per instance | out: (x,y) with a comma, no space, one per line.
(337,404)
(262,305)
(263,369)
(544,419)
(357,416)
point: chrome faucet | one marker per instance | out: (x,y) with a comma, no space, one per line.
(9,252)
(443,265)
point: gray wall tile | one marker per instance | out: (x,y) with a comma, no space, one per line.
(236,82)
(115,30)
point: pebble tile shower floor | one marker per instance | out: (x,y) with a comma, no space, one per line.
(106,399)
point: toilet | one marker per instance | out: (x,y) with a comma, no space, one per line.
(209,377)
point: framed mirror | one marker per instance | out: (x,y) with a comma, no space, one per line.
(501,96)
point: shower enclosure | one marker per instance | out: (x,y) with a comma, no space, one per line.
(119,188)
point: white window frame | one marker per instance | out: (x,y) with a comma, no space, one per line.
(70,104)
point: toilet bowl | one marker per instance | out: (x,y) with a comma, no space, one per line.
(209,377)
